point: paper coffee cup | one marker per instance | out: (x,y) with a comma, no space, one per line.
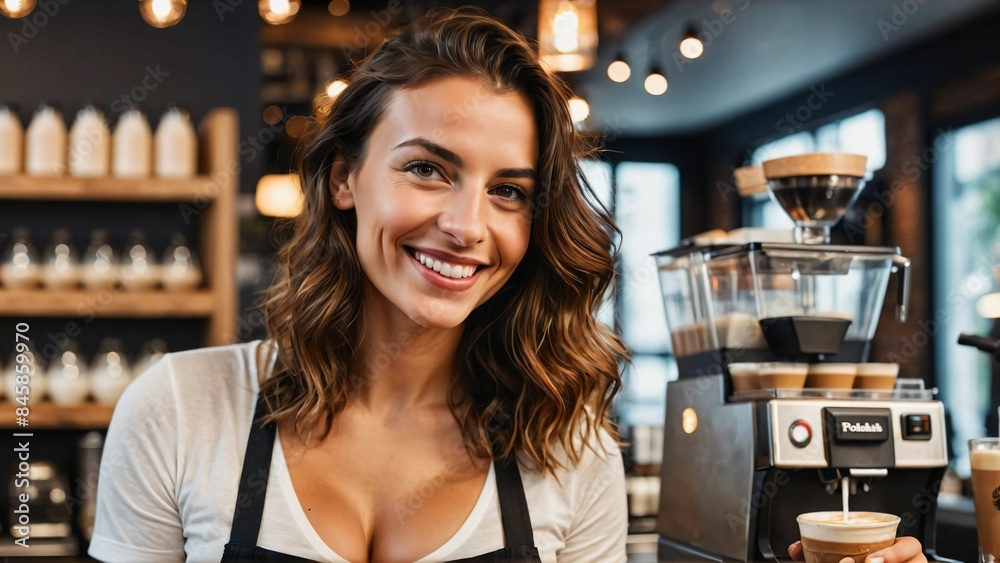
(827,537)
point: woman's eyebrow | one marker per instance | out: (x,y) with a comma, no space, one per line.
(453,158)
(434,148)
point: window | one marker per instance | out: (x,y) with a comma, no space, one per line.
(863,133)
(967,246)
(646,206)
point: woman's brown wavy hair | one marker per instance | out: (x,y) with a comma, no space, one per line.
(533,359)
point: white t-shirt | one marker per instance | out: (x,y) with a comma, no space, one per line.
(174,453)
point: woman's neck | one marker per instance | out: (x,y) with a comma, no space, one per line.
(401,366)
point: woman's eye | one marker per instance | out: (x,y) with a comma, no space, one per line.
(424,170)
(511,192)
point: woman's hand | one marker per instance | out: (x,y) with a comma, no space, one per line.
(906,550)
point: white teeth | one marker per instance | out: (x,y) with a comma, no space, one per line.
(455,271)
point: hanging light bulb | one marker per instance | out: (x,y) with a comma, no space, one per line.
(277,12)
(16,8)
(691,45)
(338,7)
(656,82)
(279,195)
(162,13)
(579,109)
(335,87)
(619,70)
(567,34)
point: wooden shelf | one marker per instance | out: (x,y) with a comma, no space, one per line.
(199,188)
(108,304)
(48,415)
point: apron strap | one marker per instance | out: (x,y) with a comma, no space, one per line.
(256,468)
(513,506)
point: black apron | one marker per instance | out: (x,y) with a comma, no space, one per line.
(243,548)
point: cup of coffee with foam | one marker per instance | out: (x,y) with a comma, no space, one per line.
(876,376)
(828,538)
(984,456)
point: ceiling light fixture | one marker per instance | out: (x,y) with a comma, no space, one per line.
(162,13)
(691,46)
(656,82)
(619,71)
(16,8)
(567,34)
(278,12)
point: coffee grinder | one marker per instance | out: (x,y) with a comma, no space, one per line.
(738,467)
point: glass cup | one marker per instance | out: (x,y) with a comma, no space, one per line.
(984,455)
(827,537)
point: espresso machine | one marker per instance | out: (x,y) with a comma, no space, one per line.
(739,466)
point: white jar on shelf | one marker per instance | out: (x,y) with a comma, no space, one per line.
(11,142)
(89,144)
(99,268)
(176,146)
(109,372)
(132,146)
(61,262)
(19,268)
(45,143)
(140,271)
(68,383)
(36,383)
(180,270)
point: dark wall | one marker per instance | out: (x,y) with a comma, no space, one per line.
(71,52)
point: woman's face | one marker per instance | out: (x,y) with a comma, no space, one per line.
(443,199)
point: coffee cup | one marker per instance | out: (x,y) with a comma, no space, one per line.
(781,375)
(831,376)
(984,456)
(876,376)
(827,537)
(743,376)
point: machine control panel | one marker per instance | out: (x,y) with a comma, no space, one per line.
(822,433)
(916,426)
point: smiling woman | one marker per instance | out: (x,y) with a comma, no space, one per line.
(436,385)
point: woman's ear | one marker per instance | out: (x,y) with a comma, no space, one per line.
(340,185)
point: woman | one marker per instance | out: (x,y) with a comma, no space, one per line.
(438,386)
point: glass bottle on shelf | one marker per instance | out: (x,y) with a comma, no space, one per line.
(180,268)
(89,144)
(139,265)
(132,152)
(99,268)
(67,376)
(109,372)
(61,262)
(151,352)
(37,387)
(45,143)
(19,269)
(176,146)
(11,141)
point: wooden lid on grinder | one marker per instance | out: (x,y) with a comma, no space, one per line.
(816,164)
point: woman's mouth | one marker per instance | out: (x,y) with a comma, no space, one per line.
(445,269)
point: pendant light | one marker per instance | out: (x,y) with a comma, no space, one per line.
(277,12)
(162,13)
(691,46)
(656,81)
(619,71)
(338,8)
(16,8)
(567,34)
(279,195)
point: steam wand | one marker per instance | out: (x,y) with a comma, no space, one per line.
(982,343)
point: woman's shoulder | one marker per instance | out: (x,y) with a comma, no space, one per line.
(598,456)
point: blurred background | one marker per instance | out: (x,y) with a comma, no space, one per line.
(683,92)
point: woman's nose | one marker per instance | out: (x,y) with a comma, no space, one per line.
(463,216)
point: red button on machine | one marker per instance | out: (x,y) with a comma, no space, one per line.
(800,433)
